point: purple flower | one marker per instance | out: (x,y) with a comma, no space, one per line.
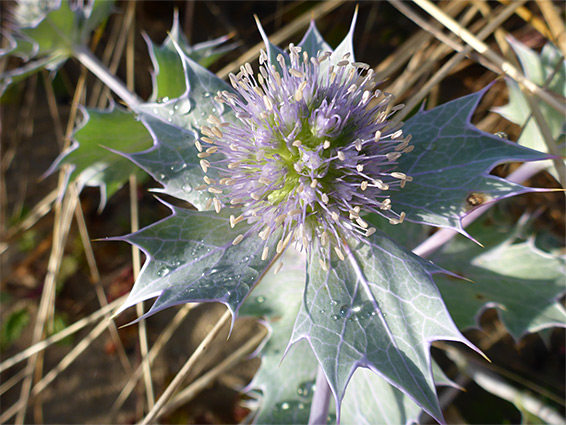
(311,149)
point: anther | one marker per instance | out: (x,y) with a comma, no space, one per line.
(362,223)
(377,136)
(323,264)
(297,143)
(217,132)
(203,155)
(360,167)
(324,198)
(198,145)
(204,164)
(217,205)
(326,144)
(277,268)
(393,156)
(314,183)
(295,73)
(214,120)
(268,104)
(215,190)
(358,145)
(370,231)
(341,156)
(265,253)
(339,253)
(324,238)
(238,239)
(364,185)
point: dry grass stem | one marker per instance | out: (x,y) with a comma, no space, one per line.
(482,48)
(181,375)
(163,338)
(198,385)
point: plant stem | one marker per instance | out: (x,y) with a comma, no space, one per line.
(91,62)
(441,237)
(321,399)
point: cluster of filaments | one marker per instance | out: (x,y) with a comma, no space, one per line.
(310,151)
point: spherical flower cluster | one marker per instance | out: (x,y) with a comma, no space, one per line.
(310,151)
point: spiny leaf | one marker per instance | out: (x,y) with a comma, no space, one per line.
(172,161)
(371,400)
(284,386)
(547,69)
(168,76)
(378,309)
(47,31)
(451,160)
(192,258)
(93,164)
(520,281)
(313,43)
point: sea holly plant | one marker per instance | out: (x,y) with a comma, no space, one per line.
(303,161)
(307,153)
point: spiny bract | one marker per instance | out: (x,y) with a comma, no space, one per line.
(311,150)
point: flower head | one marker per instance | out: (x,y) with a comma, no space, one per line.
(311,149)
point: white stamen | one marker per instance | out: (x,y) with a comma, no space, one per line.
(339,253)
(294,212)
(393,156)
(377,136)
(217,132)
(295,73)
(324,238)
(214,120)
(265,253)
(204,164)
(217,205)
(215,191)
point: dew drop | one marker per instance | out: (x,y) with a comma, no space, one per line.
(285,406)
(187,188)
(163,99)
(260,299)
(163,271)
(171,112)
(154,110)
(306,389)
(344,310)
